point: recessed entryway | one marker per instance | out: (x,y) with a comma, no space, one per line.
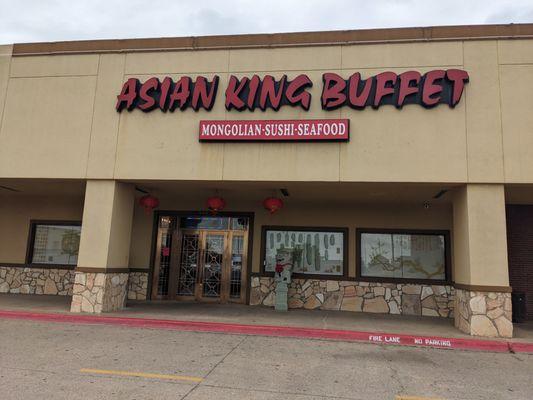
(201,257)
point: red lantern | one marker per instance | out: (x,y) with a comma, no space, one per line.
(215,204)
(273,204)
(149,202)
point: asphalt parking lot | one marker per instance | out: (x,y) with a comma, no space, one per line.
(65,361)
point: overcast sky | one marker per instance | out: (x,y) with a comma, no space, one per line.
(53,20)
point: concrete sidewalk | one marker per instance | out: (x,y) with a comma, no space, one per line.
(247,315)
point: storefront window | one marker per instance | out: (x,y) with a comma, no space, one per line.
(319,252)
(403,255)
(55,244)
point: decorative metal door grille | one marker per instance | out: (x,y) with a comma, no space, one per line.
(196,258)
(213,258)
(188,268)
(164,264)
(236,266)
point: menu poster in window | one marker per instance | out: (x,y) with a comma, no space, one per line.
(313,252)
(56,244)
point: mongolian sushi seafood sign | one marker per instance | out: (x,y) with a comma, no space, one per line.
(275,130)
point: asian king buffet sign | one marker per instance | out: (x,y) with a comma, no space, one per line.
(251,93)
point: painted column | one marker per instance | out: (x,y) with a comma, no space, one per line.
(482,296)
(102,273)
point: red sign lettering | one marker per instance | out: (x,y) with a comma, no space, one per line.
(386,88)
(408,85)
(434,87)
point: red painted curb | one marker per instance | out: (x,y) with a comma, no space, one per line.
(521,347)
(280,331)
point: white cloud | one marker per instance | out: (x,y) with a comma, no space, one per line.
(52,20)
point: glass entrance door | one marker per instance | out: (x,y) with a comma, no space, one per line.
(201,258)
(210,269)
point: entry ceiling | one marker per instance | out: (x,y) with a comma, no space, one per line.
(41,187)
(304,191)
(321,192)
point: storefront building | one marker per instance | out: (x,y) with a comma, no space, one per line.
(392,169)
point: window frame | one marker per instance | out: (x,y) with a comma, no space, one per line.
(430,232)
(31,241)
(299,275)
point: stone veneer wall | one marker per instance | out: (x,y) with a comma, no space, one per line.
(484,313)
(138,286)
(25,280)
(57,281)
(99,292)
(391,298)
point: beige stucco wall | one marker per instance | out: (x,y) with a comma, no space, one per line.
(46,126)
(16,213)
(5,62)
(352,216)
(480,238)
(64,106)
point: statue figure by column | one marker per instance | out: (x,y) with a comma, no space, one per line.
(283,278)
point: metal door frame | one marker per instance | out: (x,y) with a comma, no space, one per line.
(245,271)
(176,252)
(200,267)
(153,275)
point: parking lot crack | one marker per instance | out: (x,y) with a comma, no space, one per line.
(221,361)
(395,375)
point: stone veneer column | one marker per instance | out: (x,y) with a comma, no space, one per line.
(482,297)
(138,285)
(96,292)
(483,313)
(101,281)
